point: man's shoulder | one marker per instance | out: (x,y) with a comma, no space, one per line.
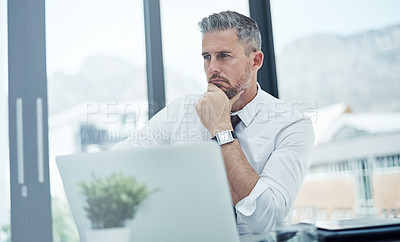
(279,109)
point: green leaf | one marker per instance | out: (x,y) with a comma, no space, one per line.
(113,199)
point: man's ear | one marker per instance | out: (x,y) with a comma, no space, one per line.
(258,58)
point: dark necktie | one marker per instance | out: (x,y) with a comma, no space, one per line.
(235,120)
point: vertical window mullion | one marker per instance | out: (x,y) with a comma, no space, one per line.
(260,11)
(154,56)
(29,166)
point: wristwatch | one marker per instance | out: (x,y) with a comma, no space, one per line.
(224,137)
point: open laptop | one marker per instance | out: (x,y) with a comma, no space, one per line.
(191,201)
(362,229)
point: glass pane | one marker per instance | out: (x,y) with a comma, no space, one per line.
(5,229)
(339,62)
(183,63)
(96,84)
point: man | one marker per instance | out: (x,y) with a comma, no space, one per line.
(267,161)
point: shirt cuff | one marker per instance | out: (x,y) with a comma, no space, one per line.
(248,205)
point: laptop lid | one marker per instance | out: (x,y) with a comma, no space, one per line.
(189,198)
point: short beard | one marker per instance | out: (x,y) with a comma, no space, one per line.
(243,84)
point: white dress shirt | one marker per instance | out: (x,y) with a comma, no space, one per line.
(275,139)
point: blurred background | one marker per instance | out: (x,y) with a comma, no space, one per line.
(337,61)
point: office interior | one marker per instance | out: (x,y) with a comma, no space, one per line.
(79,76)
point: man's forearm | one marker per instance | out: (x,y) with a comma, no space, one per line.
(241,176)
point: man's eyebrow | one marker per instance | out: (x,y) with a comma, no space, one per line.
(219,52)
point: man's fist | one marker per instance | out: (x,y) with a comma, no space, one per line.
(214,109)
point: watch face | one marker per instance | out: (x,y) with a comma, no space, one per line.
(224,137)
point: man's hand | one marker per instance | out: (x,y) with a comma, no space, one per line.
(214,109)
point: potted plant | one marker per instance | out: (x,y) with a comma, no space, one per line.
(111,202)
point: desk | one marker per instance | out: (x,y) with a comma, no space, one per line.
(341,230)
(360,230)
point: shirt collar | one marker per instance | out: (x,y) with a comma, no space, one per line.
(248,112)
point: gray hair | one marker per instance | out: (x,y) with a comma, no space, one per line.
(246,28)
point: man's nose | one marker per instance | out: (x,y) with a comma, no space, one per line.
(214,66)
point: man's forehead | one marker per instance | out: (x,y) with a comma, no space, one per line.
(221,40)
(227,33)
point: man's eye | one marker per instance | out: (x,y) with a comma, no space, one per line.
(206,57)
(223,55)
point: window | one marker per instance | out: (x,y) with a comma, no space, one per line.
(338,61)
(5,229)
(96,84)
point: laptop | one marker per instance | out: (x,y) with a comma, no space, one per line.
(362,229)
(189,198)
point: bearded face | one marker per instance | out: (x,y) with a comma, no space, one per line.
(225,61)
(231,88)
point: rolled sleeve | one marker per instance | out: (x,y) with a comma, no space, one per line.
(261,210)
(247,205)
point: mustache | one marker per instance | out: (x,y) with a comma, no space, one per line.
(217,76)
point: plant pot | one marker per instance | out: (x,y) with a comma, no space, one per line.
(111,234)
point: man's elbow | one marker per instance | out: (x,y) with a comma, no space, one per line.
(268,218)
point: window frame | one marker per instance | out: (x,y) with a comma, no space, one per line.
(27,107)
